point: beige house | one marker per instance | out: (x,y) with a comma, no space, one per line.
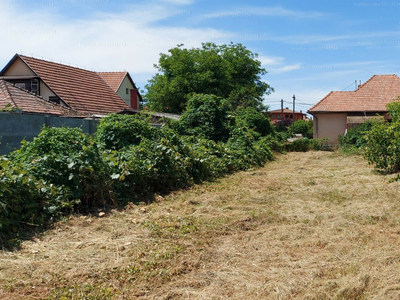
(339,111)
(75,88)
(123,85)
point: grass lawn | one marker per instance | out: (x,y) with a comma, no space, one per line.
(314,225)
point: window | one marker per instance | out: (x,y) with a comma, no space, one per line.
(35,86)
(21,85)
(55,99)
(127,91)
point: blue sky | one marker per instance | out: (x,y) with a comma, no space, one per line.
(309,48)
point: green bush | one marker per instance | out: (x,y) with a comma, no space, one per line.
(303,127)
(355,137)
(207,116)
(118,131)
(25,201)
(68,157)
(255,120)
(383,147)
(305,144)
(147,168)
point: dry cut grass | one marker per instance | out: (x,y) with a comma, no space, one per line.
(315,225)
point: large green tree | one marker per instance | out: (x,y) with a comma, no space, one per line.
(229,71)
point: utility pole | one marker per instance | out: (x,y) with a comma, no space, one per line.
(282,112)
(294,99)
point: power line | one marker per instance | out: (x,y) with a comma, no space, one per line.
(349,86)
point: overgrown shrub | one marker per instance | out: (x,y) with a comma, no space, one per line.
(255,120)
(147,168)
(305,144)
(355,137)
(383,147)
(382,142)
(207,116)
(244,150)
(118,131)
(68,157)
(303,127)
(25,200)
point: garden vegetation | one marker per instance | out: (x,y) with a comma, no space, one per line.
(128,160)
(377,141)
(64,171)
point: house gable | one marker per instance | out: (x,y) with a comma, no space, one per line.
(372,96)
(123,85)
(17,67)
(333,114)
(76,88)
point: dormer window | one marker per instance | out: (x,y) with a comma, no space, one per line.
(35,86)
(55,99)
(21,85)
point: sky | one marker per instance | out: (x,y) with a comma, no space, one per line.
(308,48)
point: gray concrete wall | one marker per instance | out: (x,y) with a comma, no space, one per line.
(16,127)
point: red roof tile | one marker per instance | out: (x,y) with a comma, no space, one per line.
(81,89)
(372,96)
(13,96)
(113,79)
(285,111)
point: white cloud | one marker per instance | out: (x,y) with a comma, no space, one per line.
(250,11)
(103,42)
(179,2)
(269,60)
(287,68)
(361,39)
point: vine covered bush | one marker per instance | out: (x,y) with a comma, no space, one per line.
(383,142)
(27,200)
(64,170)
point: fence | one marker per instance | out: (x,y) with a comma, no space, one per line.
(16,127)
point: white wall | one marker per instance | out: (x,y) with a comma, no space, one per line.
(330,125)
(126,84)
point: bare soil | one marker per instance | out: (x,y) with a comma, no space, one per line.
(314,225)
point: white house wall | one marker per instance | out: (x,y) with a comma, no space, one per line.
(330,126)
(126,84)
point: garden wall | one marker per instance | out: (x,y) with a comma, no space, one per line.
(16,127)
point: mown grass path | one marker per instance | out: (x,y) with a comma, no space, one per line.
(315,225)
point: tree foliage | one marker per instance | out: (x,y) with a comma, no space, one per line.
(207,116)
(228,71)
(304,127)
(383,142)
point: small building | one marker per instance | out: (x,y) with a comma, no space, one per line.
(285,115)
(339,111)
(123,85)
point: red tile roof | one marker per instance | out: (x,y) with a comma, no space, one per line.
(372,96)
(113,79)
(82,90)
(285,111)
(15,97)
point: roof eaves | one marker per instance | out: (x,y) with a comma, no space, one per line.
(9,64)
(134,85)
